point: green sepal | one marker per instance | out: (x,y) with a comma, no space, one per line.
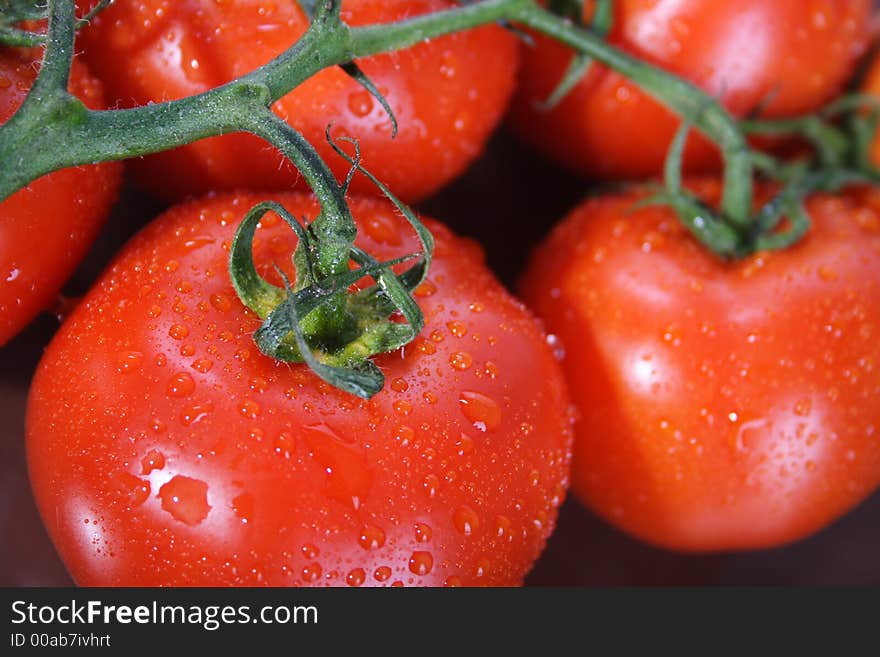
(580,64)
(415,275)
(361,378)
(254,291)
(354,71)
(273,338)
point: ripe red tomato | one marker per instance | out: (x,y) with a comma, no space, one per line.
(790,55)
(165,449)
(46,228)
(722,405)
(447,94)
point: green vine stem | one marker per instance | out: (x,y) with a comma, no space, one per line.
(93,136)
(317,319)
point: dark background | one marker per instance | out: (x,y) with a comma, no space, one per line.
(508,201)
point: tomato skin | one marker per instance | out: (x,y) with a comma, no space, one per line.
(744,52)
(47,227)
(722,405)
(153,390)
(448,94)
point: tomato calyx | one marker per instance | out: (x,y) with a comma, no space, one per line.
(320,318)
(840,136)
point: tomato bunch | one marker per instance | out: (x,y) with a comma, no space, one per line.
(699,402)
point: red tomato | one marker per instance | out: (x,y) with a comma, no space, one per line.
(46,228)
(447,94)
(165,449)
(722,405)
(791,55)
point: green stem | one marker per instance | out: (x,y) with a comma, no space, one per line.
(682,97)
(334,229)
(55,69)
(121,134)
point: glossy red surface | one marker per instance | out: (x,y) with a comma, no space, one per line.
(583,550)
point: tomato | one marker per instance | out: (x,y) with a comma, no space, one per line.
(447,94)
(165,449)
(46,228)
(782,57)
(723,405)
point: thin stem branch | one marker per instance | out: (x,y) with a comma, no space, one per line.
(55,69)
(120,134)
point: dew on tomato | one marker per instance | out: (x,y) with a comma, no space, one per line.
(259,458)
(721,405)
(448,93)
(47,228)
(776,59)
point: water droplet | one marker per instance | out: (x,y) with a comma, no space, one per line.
(243,507)
(461,360)
(404,435)
(129,361)
(452,582)
(424,346)
(154,460)
(203,365)
(221,302)
(423,532)
(186,499)
(360,103)
(464,444)
(458,329)
(421,563)
(482,411)
(402,407)
(431,484)
(195,413)
(135,491)
(382,574)
(249,409)
(466,520)
(399,385)
(311,572)
(426,289)
(285,443)
(356,577)
(349,478)
(383,229)
(178,331)
(371,537)
(502,526)
(310,551)
(181,385)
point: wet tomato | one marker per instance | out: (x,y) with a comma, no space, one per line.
(447,94)
(47,227)
(779,57)
(722,405)
(165,449)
